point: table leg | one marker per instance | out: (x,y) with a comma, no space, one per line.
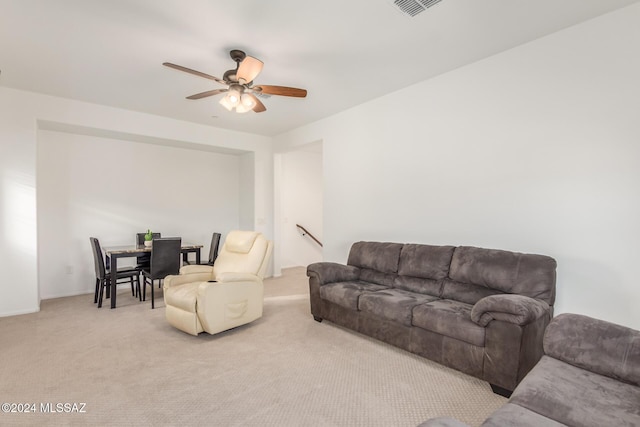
(114,279)
(198,256)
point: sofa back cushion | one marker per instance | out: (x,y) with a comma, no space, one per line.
(509,272)
(595,345)
(418,285)
(378,261)
(465,292)
(378,256)
(426,261)
(423,267)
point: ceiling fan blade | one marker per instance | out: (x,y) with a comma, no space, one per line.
(190,71)
(259,107)
(281,90)
(207,93)
(248,69)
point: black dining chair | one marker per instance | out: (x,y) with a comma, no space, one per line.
(213,251)
(142,261)
(165,260)
(103,275)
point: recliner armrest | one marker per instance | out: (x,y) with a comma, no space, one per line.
(516,309)
(172,280)
(224,305)
(196,268)
(330,272)
(236,277)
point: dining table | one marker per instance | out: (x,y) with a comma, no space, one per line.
(113,253)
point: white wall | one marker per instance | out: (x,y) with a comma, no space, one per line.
(175,191)
(18,233)
(21,114)
(300,203)
(247,193)
(532,150)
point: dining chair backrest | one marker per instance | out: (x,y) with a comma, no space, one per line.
(165,257)
(98,260)
(213,250)
(140,237)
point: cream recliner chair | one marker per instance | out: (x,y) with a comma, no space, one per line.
(230,293)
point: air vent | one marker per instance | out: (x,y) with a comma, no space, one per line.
(413,7)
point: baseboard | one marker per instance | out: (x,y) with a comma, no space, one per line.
(19,312)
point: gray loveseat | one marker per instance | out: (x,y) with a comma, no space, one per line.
(480,311)
(589,376)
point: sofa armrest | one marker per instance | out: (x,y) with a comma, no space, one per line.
(330,272)
(595,345)
(516,309)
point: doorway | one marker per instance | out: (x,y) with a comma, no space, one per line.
(298,190)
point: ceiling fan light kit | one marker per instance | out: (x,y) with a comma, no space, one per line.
(247,101)
(226,103)
(240,92)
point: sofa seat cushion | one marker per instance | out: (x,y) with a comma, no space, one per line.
(393,304)
(574,396)
(346,294)
(182,296)
(449,318)
(515,415)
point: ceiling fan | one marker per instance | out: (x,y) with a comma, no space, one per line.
(240,91)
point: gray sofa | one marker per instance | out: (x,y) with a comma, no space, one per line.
(589,376)
(480,311)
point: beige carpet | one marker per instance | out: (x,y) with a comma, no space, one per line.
(131,368)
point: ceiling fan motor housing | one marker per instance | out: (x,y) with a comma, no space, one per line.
(230,76)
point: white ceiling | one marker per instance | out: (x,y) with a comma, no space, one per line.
(344,52)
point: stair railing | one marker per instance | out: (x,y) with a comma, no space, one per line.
(305,232)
